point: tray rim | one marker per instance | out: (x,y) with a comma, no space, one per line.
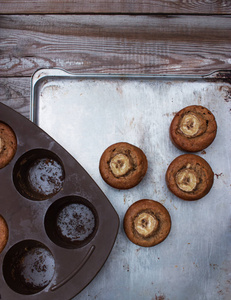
(42,73)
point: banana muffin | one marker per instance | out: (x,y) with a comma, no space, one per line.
(8,144)
(147,223)
(3,233)
(189,177)
(193,128)
(123,165)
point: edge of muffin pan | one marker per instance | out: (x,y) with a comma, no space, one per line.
(30,219)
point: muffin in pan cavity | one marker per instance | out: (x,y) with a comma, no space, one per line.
(123,165)
(3,233)
(193,128)
(189,177)
(147,223)
(8,144)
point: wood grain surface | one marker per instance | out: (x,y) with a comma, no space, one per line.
(114,44)
(116,6)
(15,92)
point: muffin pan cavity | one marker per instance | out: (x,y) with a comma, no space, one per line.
(38,174)
(28,267)
(57,228)
(71,222)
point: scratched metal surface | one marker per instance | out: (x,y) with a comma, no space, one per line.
(86,114)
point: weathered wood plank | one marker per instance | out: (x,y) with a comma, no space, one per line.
(115,6)
(15,92)
(114,44)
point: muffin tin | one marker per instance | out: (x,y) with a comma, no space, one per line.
(61,225)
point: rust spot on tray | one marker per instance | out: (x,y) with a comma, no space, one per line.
(225,76)
(124,199)
(170,114)
(132,121)
(159,297)
(218,175)
(214,266)
(226,90)
(126,267)
(119,90)
(195,265)
(228,96)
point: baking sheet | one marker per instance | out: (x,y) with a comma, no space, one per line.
(86,114)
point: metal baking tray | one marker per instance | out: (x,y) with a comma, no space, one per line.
(86,114)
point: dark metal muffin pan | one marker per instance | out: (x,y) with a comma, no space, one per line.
(61,225)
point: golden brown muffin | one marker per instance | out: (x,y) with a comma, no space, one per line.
(147,223)
(193,128)
(123,165)
(8,144)
(3,233)
(189,177)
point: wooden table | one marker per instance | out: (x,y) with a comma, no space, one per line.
(139,37)
(114,36)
